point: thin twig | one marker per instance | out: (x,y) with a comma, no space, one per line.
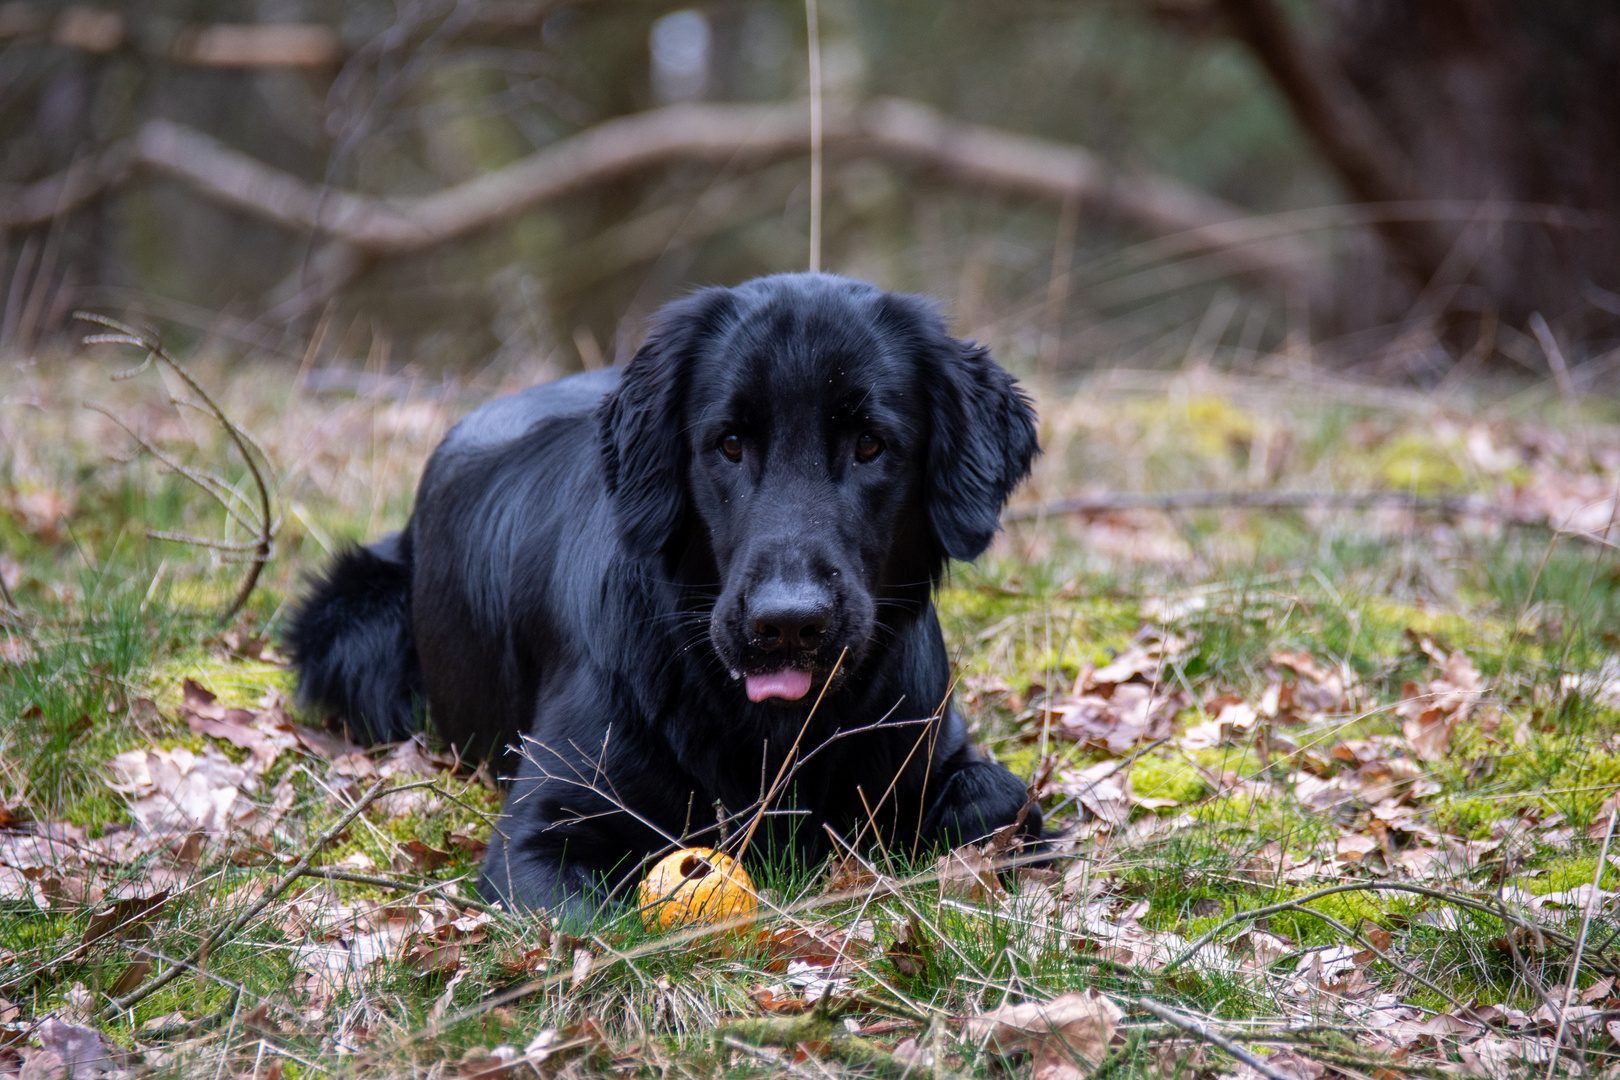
(820,1029)
(266,525)
(1201,499)
(1462,1007)
(404,886)
(680,938)
(120,1005)
(813,35)
(216,486)
(1533,982)
(900,130)
(1214,1038)
(1580,945)
(782,773)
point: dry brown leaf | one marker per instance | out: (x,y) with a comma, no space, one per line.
(326,745)
(471,845)
(124,918)
(41,1064)
(82,1050)
(777,999)
(911,949)
(422,857)
(1066,1035)
(173,1019)
(1430,716)
(581,970)
(413,759)
(1116,720)
(1288,1063)
(427,956)
(1101,788)
(16,651)
(849,874)
(178,792)
(41,511)
(264,732)
(968,874)
(134,973)
(810,946)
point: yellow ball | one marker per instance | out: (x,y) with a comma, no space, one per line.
(696,886)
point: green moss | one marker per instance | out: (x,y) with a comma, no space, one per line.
(1226,759)
(1020,760)
(1412,462)
(1199,926)
(1562,875)
(1041,635)
(237,683)
(1350,908)
(1383,627)
(1206,426)
(1560,772)
(1168,777)
(1469,818)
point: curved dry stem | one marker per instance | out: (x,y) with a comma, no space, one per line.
(258,520)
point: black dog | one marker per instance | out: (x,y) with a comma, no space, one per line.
(660,584)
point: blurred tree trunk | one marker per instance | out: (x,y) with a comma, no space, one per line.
(1511,106)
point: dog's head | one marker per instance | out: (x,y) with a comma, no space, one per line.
(830,444)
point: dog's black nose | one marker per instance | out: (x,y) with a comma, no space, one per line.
(791,618)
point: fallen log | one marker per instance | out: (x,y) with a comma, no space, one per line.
(905,131)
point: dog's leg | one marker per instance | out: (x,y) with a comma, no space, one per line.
(558,846)
(521,881)
(978,798)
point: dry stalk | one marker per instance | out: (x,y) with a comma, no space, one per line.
(258,520)
(395,885)
(1580,946)
(1200,1030)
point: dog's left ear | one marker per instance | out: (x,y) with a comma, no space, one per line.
(640,432)
(982,439)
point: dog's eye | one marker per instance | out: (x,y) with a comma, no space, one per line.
(731,446)
(868,447)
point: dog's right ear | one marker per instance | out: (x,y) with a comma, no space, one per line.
(640,430)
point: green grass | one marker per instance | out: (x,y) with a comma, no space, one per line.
(116,622)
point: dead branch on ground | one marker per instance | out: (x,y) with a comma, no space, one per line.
(902,130)
(1448,505)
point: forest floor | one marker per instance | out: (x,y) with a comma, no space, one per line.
(1335,787)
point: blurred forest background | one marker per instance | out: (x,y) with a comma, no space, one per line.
(1412,190)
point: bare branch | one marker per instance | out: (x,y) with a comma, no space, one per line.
(1200,1030)
(267,524)
(216,487)
(903,130)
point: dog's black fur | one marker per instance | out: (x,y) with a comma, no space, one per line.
(593,564)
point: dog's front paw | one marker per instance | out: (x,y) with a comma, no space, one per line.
(978,799)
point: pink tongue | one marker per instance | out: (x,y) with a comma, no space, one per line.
(790,683)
